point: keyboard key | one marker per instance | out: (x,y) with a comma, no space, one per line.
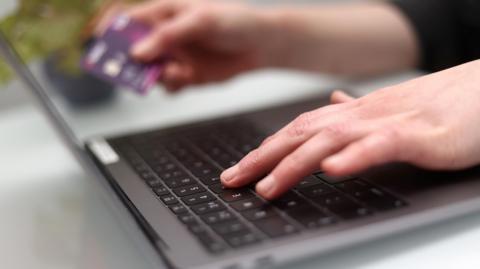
(311,217)
(179,182)
(289,201)
(342,206)
(241,239)
(276,226)
(199,164)
(229,227)
(197,228)
(170,175)
(210,180)
(247,204)
(162,168)
(154,182)
(382,202)
(259,213)
(316,190)
(210,242)
(206,172)
(208,207)
(217,188)
(198,198)
(217,217)
(188,190)
(144,173)
(178,209)
(353,187)
(232,195)
(161,190)
(169,199)
(308,181)
(187,218)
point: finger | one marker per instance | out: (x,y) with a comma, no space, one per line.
(375,149)
(177,73)
(172,34)
(339,97)
(153,12)
(307,158)
(263,159)
(322,112)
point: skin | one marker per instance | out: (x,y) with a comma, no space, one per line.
(211,40)
(404,123)
(215,40)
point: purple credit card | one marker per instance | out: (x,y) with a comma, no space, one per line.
(108,57)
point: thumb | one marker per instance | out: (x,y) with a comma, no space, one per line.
(170,34)
(339,97)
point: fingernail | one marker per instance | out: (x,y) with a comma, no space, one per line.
(229,174)
(266,185)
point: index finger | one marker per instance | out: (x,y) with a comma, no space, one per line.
(261,160)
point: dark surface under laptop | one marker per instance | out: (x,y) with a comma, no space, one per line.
(181,167)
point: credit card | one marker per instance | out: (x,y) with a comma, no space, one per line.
(107,57)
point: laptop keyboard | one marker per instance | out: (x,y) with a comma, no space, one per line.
(183,169)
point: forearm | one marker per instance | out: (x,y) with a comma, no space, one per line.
(359,39)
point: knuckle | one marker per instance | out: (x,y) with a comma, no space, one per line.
(300,125)
(390,134)
(390,139)
(337,130)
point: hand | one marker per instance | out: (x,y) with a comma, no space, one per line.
(214,40)
(431,122)
(208,40)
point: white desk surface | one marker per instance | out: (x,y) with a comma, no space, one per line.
(51,218)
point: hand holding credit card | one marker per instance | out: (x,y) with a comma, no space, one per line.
(108,56)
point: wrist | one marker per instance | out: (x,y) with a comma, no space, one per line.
(278,27)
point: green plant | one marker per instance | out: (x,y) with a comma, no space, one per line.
(38,28)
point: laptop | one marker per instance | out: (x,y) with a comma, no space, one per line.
(168,179)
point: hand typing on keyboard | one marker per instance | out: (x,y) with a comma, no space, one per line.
(182,169)
(428,122)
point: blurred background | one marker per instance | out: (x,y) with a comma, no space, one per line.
(12,94)
(50,37)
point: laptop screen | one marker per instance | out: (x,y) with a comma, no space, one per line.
(50,38)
